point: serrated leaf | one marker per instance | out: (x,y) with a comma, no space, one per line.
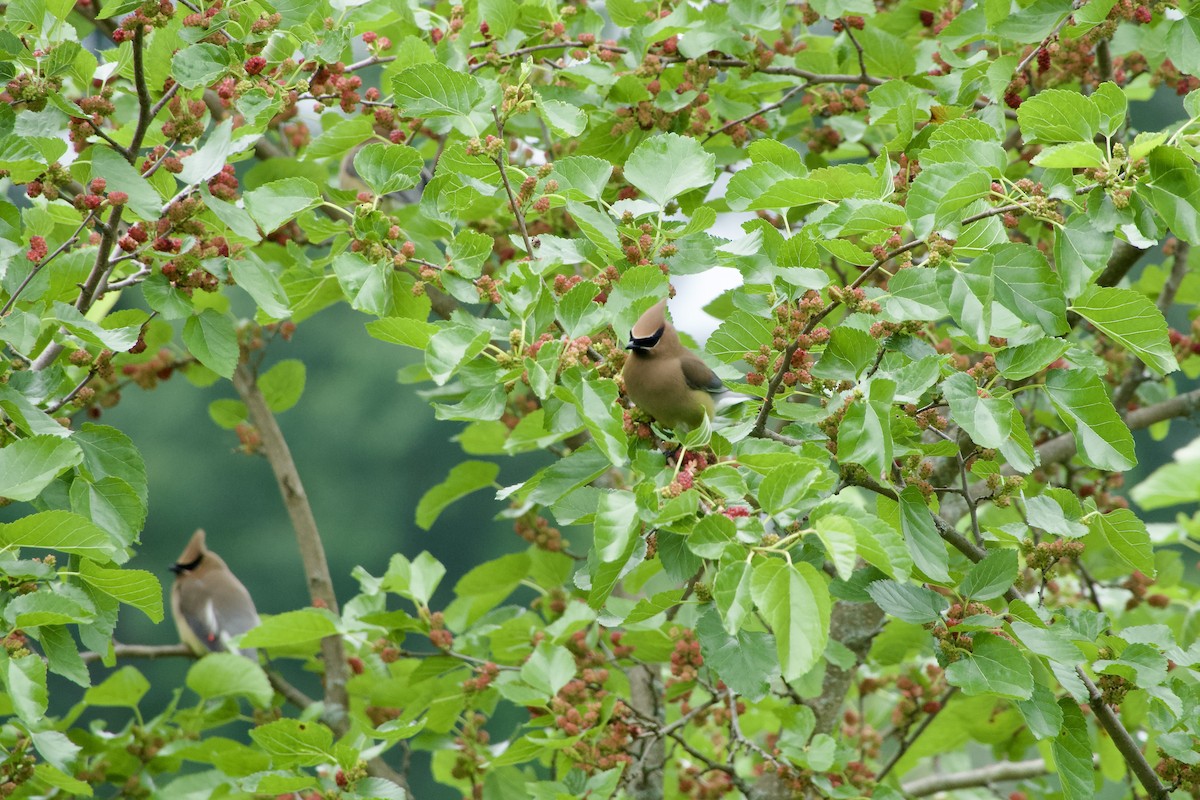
(292,743)
(1130,319)
(290,628)
(1058,115)
(665,166)
(464,478)
(275,203)
(435,90)
(745,660)
(1103,439)
(794,600)
(283,384)
(614,541)
(1127,537)
(987,420)
(134,587)
(230,675)
(991,577)
(920,533)
(915,604)
(1073,754)
(994,666)
(211,338)
(27,466)
(388,167)
(59,530)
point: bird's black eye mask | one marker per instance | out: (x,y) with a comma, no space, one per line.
(644,343)
(189,566)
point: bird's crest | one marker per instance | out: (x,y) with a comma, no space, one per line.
(192,555)
(649,327)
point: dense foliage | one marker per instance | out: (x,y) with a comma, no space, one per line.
(910,541)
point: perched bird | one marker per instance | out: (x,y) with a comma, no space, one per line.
(209,603)
(665,379)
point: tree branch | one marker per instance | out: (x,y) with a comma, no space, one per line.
(512,200)
(308,537)
(983,776)
(1124,742)
(149,651)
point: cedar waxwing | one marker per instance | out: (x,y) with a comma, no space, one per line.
(665,379)
(209,603)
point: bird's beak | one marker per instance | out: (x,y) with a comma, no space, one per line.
(176,568)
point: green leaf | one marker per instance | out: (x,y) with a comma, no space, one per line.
(282,385)
(582,177)
(837,533)
(388,167)
(987,420)
(596,401)
(487,585)
(144,199)
(1026,286)
(60,530)
(211,338)
(25,680)
(745,660)
(1080,253)
(405,331)
(994,666)
(865,435)
(562,118)
(134,587)
(27,466)
(848,353)
(786,485)
(435,90)
(336,140)
(991,577)
(940,192)
(1058,115)
(199,65)
(920,533)
(124,688)
(731,593)
(1042,715)
(292,743)
(1073,155)
(549,668)
(614,540)
(665,166)
(260,281)
(1073,754)
(109,453)
(1127,538)
(275,203)
(464,478)
(1081,401)
(1130,319)
(1112,104)
(1175,192)
(290,628)
(915,604)
(739,334)
(230,675)
(794,601)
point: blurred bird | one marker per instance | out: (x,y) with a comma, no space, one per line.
(665,379)
(209,603)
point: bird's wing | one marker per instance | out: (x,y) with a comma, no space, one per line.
(698,375)
(196,608)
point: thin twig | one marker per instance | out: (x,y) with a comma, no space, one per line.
(38,267)
(56,405)
(1049,37)
(120,148)
(907,741)
(500,163)
(862,63)
(788,95)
